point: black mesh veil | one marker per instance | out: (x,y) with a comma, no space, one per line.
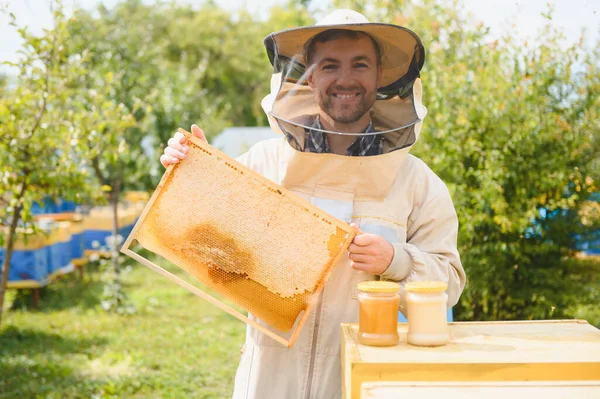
(292,106)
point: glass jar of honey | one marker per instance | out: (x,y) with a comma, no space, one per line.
(378,313)
(427,303)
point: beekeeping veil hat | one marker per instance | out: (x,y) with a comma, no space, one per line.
(292,108)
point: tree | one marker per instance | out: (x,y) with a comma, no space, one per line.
(36,132)
(121,62)
(205,66)
(132,96)
(230,47)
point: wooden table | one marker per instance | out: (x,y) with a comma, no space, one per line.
(563,352)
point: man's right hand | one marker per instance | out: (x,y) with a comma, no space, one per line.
(177,149)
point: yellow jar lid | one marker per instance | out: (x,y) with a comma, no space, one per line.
(426,286)
(378,286)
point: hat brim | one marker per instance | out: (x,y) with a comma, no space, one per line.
(402,52)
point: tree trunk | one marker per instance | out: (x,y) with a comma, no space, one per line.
(114,249)
(114,202)
(9,245)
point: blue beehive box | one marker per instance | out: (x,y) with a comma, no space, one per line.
(48,205)
(98,227)
(67,206)
(29,264)
(52,248)
(59,249)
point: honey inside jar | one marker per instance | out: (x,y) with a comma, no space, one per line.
(378,313)
(427,302)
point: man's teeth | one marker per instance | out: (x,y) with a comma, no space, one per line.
(345,96)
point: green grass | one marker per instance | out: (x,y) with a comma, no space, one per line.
(176,345)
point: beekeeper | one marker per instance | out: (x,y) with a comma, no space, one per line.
(346,96)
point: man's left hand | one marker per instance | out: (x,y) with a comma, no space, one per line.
(370,253)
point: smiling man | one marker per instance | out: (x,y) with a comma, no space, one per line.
(345,69)
(346,97)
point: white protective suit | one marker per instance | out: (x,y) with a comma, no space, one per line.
(394,195)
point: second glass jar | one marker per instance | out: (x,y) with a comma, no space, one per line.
(427,306)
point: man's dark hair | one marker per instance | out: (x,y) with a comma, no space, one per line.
(334,34)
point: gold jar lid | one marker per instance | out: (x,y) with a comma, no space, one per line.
(426,286)
(378,286)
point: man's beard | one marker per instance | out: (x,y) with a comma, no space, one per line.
(368,99)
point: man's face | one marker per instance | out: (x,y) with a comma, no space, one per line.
(344,77)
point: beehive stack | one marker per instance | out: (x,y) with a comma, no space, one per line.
(257,244)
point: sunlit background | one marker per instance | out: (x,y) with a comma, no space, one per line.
(90,96)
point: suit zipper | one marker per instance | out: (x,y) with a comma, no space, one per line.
(313,350)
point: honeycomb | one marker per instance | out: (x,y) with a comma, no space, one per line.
(259,245)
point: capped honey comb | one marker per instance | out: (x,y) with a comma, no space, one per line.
(259,245)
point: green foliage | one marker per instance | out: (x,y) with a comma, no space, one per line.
(184,66)
(228,45)
(3,83)
(119,85)
(36,131)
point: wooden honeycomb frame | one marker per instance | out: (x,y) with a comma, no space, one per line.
(348,232)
